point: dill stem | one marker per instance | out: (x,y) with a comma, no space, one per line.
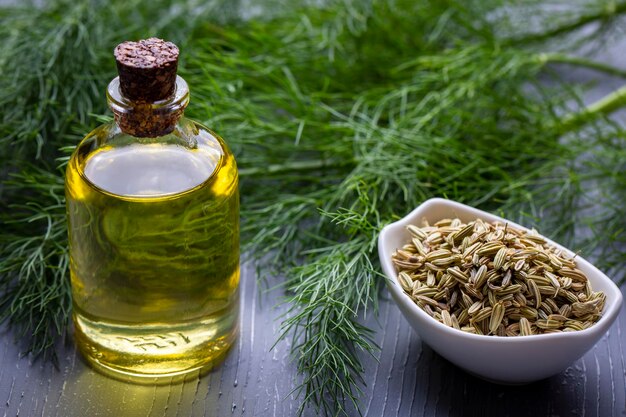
(604,106)
(295,166)
(610,11)
(558,58)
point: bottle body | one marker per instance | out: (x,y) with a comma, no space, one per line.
(154,250)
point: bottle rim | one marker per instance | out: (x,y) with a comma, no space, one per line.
(122,105)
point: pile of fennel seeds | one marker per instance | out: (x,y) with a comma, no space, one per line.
(491,279)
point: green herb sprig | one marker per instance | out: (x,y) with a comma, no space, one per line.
(343,116)
(456,121)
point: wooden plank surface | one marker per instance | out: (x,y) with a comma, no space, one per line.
(409,379)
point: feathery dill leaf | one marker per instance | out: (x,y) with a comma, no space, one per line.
(486,133)
(35,296)
(344,115)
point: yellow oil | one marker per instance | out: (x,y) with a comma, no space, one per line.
(154,252)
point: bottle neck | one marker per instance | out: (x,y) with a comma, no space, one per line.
(147,119)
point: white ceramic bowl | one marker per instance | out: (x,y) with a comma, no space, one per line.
(507,360)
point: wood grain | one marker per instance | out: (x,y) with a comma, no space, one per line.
(408,379)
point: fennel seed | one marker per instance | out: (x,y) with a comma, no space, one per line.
(491,279)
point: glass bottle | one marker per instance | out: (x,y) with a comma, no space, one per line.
(153,215)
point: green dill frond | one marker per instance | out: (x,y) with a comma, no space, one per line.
(344,115)
(35,296)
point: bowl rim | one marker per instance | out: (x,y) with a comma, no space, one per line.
(611,308)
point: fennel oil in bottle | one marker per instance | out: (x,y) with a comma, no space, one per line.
(153,214)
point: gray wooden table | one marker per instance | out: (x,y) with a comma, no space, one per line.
(408,379)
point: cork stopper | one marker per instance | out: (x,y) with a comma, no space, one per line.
(147,69)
